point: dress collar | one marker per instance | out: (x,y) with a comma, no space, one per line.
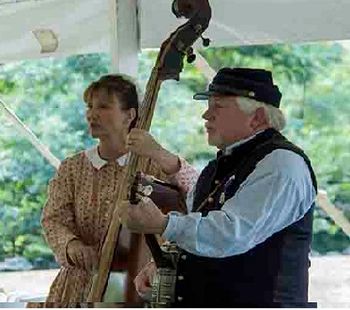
(98,162)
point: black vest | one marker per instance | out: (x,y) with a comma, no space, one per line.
(273,273)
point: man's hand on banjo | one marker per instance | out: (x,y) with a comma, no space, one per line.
(144,217)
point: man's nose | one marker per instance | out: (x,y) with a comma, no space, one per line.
(207,115)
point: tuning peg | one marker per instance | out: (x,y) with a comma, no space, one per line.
(191,57)
(206,41)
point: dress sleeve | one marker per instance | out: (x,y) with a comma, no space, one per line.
(58,217)
(185,178)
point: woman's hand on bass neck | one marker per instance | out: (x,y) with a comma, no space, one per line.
(142,143)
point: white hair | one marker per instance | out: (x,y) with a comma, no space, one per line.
(275,116)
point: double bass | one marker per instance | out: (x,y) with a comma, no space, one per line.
(169,65)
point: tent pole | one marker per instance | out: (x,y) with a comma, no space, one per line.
(124,36)
(30,136)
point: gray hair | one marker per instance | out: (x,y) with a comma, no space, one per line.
(275,116)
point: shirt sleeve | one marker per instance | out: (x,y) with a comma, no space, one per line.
(58,219)
(276,194)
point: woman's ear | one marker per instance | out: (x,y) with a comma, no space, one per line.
(131,115)
(259,119)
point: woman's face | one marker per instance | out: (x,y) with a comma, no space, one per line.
(106,119)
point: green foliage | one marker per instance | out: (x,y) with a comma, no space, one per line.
(47,96)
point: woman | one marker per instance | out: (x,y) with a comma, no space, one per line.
(81,195)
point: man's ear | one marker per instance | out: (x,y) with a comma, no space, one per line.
(259,119)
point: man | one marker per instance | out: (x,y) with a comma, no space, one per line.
(246,240)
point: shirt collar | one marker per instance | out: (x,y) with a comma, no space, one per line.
(94,157)
(228,149)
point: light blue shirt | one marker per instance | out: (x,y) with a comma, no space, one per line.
(276,194)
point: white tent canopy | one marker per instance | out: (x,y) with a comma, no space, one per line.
(125,26)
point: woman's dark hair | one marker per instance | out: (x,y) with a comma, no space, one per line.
(115,85)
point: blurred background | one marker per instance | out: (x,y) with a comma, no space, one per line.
(46,95)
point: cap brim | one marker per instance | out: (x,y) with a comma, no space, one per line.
(203,95)
(224,92)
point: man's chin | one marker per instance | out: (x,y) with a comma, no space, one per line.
(212,141)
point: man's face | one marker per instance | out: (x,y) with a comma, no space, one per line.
(225,122)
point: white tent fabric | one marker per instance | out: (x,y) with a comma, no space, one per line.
(84,26)
(81,26)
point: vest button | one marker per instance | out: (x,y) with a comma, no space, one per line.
(180,277)
(180,298)
(210,199)
(183,257)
